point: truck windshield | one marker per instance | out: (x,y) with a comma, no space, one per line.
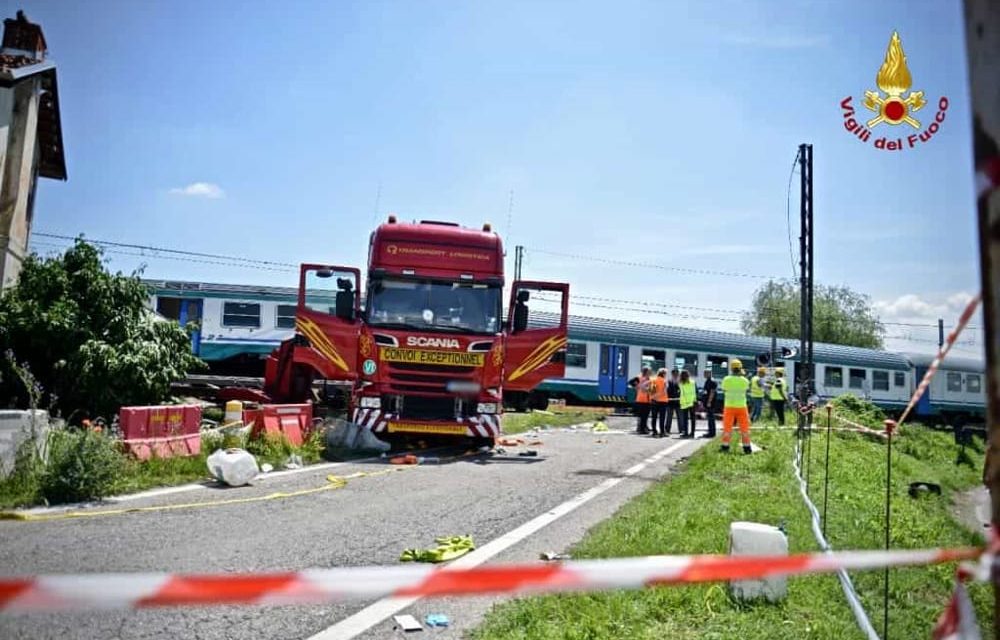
(433,305)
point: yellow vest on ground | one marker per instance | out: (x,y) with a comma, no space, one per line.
(688,394)
(778,389)
(756,391)
(735,390)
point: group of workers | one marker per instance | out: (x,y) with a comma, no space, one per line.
(658,399)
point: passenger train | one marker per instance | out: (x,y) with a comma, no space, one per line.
(238,325)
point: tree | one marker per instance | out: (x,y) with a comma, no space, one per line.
(88,337)
(840,315)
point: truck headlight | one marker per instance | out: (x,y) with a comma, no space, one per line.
(486,407)
(371,402)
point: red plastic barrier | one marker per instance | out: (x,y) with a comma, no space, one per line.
(294,421)
(163,431)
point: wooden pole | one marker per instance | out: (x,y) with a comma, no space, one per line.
(982,38)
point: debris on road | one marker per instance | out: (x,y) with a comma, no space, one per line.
(552,556)
(235,467)
(449,548)
(436,620)
(408,623)
(510,442)
(599,426)
(349,435)
(528,454)
(409,458)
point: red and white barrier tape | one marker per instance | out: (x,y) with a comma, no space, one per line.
(318,586)
(860,428)
(945,348)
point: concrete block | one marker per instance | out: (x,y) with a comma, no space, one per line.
(752,538)
(15,428)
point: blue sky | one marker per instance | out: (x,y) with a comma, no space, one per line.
(650,132)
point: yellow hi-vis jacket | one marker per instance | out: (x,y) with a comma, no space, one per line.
(734,387)
(778,389)
(756,391)
(688,394)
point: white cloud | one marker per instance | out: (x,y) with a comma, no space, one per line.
(911,322)
(200,190)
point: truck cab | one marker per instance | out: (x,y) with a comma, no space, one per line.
(430,351)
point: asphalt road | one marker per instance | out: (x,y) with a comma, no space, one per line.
(367,522)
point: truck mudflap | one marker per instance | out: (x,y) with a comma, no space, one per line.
(383,423)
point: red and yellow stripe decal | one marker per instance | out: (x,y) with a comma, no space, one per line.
(539,356)
(320,342)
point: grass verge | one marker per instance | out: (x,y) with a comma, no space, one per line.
(88,466)
(556,417)
(690,513)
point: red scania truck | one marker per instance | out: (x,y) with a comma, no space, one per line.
(430,351)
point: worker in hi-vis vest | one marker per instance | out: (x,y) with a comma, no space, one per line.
(689,395)
(778,395)
(642,399)
(658,391)
(757,394)
(734,388)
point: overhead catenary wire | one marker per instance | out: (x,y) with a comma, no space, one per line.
(788,212)
(649,265)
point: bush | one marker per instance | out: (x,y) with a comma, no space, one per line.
(88,336)
(857,410)
(82,465)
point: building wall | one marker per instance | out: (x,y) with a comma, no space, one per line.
(18,174)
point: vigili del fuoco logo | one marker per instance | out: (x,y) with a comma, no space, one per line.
(894,105)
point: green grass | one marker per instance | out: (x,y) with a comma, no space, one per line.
(25,487)
(555,417)
(691,512)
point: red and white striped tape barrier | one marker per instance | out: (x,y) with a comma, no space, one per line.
(945,348)
(319,586)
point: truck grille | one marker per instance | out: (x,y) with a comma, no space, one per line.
(426,378)
(420,408)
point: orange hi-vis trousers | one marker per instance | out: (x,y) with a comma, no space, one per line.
(735,414)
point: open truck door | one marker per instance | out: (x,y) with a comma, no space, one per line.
(536,353)
(327,327)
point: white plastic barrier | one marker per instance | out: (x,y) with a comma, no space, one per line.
(15,428)
(235,467)
(752,538)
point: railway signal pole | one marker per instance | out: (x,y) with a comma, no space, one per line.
(982,39)
(805,381)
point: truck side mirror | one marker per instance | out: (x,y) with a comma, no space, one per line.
(345,305)
(520,316)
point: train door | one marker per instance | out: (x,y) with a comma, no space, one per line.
(612,380)
(183,310)
(924,403)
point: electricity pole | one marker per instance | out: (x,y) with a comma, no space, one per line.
(982,39)
(805,381)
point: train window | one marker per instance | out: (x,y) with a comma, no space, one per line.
(900,379)
(719,366)
(687,362)
(833,377)
(857,378)
(576,354)
(880,380)
(972,383)
(605,359)
(655,359)
(955,382)
(240,314)
(285,318)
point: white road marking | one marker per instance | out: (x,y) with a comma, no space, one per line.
(355,625)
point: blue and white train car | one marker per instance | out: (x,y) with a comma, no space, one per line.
(240,324)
